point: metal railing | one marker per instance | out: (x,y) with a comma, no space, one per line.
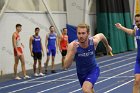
(51,17)
(3,8)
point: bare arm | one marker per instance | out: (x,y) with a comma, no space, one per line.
(100,37)
(46,43)
(128,31)
(67,42)
(14,41)
(59,40)
(42,47)
(30,45)
(72,47)
(22,45)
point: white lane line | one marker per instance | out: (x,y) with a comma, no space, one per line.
(57,87)
(38,84)
(119,86)
(101,73)
(118,62)
(117,58)
(118,77)
(58,73)
(117,67)
(77,80)
(55,79)
(104,80)
(52,80)
(35,79)
(114,76)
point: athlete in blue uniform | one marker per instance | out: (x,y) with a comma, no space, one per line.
(36,50)
(51,44)
(83,52)
(135,32)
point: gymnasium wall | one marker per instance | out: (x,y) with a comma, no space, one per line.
(36,5)
(29,21)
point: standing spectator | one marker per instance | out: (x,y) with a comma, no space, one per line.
(63,44)
(18,52)
(36,50)
(51,44)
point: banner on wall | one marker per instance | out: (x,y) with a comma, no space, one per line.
(71,32)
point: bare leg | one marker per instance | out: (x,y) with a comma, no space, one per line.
(34,65)
(39,66)
(136,86)
(87,87)
(63,58)
(53,66)
(47,61)
(15,65)
(23,64)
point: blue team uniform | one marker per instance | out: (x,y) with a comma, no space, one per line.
(87,68)
(36,49)
(36,44)
(137,64)
(51,44)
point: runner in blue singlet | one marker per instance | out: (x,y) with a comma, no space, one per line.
(83,52)
(51,44)
(36,50)
(135,32)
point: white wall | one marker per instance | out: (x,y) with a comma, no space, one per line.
(75,10)
(1,3)
(35,5)
(29,22)
(92,23)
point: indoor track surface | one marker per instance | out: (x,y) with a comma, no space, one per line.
(116,76)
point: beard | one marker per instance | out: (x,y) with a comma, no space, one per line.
(138,26)
(82,40)
(52,31)
(36,34)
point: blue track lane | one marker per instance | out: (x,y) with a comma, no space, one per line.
(116,77)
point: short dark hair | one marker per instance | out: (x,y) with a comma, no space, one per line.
(37,28)
(137,15)
(64,29)
(51,27)
(84,26)
(18,25)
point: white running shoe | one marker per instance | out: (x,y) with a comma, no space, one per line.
(41,74)
(36,75)
(17,78)
(27,77)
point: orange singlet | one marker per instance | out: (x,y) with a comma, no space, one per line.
(64,42)
(18,45)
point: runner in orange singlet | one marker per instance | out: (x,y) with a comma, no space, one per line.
(63,43)
(18,52)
